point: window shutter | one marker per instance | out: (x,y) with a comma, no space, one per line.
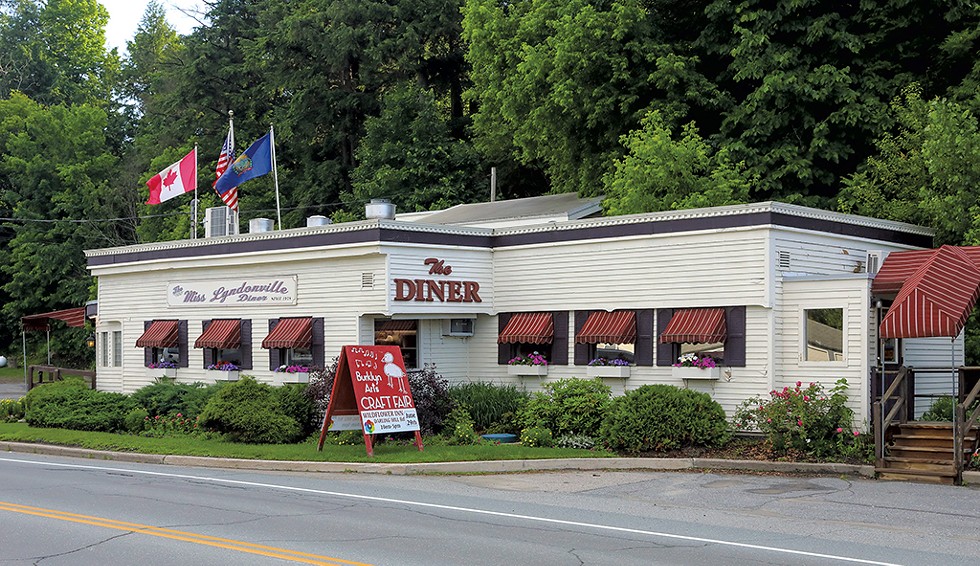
(185,353)
(581,350)
(209,355)
(559,344)
(148,352)
(246,344)
(273,352)
(735,341)
(318,347)
(503,350)
(644,338)
(665,352)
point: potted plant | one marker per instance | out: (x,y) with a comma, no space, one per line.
(531,364)
(163,368)
(291,374)
(223,371)
(605,367)
(696,366)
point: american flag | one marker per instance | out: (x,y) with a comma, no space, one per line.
(230,197)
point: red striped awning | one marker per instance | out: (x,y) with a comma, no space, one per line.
(528,328)
(695,326)
(72,317)
(618,327)
(224,334)
(395,326)
(290,333)
(160,334)
(898,267)
(936,299)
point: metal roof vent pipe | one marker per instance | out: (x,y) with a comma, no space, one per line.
(317,220)
(379,208)
(257,225)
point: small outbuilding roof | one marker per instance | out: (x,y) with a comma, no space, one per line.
(547,208)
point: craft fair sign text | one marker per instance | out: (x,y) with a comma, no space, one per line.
(233,292)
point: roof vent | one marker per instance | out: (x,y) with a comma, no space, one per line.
(317,220)
(783,262)
(257,225)
(380,208)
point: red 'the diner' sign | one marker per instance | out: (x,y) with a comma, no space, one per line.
(371,393)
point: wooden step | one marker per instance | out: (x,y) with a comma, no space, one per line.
(893,463)
(923,440)
(916,476)
(921,453)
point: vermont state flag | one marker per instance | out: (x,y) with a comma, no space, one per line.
(255,162)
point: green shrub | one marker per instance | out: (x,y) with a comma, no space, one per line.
(293,401)
(941,410)
(580,441)
(663,417)
(536,437)
(170,426)
(71,404)
(11,410)
(805,419)
(430,391)
(136,420)
(567,406)
(167,398)
(248,411)
(459,428)
(490,405)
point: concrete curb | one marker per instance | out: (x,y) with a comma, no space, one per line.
(481,467)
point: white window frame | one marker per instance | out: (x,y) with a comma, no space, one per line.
(802,320)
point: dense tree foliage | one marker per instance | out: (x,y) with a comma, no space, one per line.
(869,107)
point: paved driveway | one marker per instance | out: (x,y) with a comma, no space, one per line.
(12,390)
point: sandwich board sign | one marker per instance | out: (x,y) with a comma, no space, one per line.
(371,394)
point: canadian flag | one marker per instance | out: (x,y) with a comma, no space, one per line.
(179,178)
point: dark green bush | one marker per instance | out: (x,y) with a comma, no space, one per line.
(488,404)
(536,437)
(11,410)
(136,420)
(430,391)
(292,401)
(663,417)
(567,406)
(249,411)
(71,404)
(167,398)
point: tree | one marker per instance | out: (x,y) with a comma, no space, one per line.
(558,82)
(661,173)
(409,155)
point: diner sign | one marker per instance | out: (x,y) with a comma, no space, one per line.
(438,290)
(233,292)
(371,393)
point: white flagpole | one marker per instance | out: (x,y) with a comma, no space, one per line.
(231,154)
(275,175)
(194,202)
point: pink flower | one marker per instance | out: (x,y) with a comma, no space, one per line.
(839,429)
(806,398)
(799,422)
(799,383)
(856,433)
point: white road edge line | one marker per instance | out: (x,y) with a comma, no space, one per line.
(465,510)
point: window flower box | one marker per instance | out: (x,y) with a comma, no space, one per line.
(154,373)
(608,371)
(281,378)
(223,374)
(696,373)
(527,370)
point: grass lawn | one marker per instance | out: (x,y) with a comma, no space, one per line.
(11,375)
(387,452)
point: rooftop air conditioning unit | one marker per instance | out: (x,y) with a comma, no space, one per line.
(874,261)
(220,221)
(379,208)
(458,327)
(257,225)
(317,220)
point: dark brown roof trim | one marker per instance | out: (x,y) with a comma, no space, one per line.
(385,235)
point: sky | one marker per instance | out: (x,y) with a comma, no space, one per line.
(125,16)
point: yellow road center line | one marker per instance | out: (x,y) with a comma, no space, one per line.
(207,540)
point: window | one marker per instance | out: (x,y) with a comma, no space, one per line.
(171,354)
(295,341)
(401,333)
(525,333)
(226,341)
(717,332)
(823,335)
(117,348)
(164,340)
(297,357)
(603,334)
(104,345)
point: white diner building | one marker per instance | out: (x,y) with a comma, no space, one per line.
(780,293)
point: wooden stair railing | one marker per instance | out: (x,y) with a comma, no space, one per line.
(964,423)
(883,421)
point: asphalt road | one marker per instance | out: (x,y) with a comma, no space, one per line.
(56,511)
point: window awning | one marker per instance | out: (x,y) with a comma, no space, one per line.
(695,326)
(936,299)
(290,333)
(395,326)
(618,327)
(224,334)
(72,317)
(160,334)
(898,267)
(528,328)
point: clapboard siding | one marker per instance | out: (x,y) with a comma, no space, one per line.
(325,289)
(689,270)
(852,295)
(933,360)
(822,254)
